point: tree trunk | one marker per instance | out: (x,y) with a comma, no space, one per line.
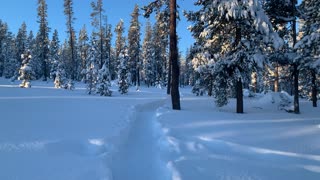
(169,78)
(138,77)
(239,96)
(295,65)
(296,88)
(314,89)
(175,96)
(239,91)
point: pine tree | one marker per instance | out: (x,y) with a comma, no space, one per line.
(21,40)
(123,73)
(26,71)
(134,47)
(103,81)
(309,46)
(147,55)
(233,35)
(158,62)
(109,51)
(280,14)
(97,23)
(173,60)
(60,80)
(72,62)
(83,51)
(3,34)
(10,63)
(92,66)
(43,42)
(54,54)
(30,41)
(37,63)
(120,42)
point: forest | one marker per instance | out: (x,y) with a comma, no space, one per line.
(258,45)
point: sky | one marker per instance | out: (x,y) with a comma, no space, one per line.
(15,12)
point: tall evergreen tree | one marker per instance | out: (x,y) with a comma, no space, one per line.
(233,35)
(30,41)
(11,64)
(3,34)
(97,23)
(120,42)
(60,80)
(54,54)
(134,47)
(123,71)
(157,50)
(21,40)
(175,95)
(43,42)
(92,66)
(83,51)
(72,62)
(109,54)
(309,46)
(147,55)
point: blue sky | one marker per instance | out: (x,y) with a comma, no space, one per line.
(14,12)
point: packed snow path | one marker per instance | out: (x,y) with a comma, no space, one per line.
(139,157)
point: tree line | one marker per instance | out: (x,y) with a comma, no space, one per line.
(247,44)
(90,57)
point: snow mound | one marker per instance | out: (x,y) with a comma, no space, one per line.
(282,100)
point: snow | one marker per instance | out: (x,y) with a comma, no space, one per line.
(56,134)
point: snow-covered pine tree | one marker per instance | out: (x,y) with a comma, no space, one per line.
(103,81)
(234,35)
(43,39)
(92,66)
(190,76)
(280,14)
(83,52)
(120,43)
(123,73)
(3,33)
(171,6)
(30,41)
(21,41)
(26,71)
(54,54)
(109,51)
(158,64)
(11,64)
(97,23)
(147,55)
(36,62)
(61,80)
(134,47)
(71,61)
(309,46)
(60,76)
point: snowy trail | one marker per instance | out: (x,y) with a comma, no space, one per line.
(139,157)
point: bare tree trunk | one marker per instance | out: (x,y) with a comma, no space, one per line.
(175,96)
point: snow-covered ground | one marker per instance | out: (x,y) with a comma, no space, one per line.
(55,134)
